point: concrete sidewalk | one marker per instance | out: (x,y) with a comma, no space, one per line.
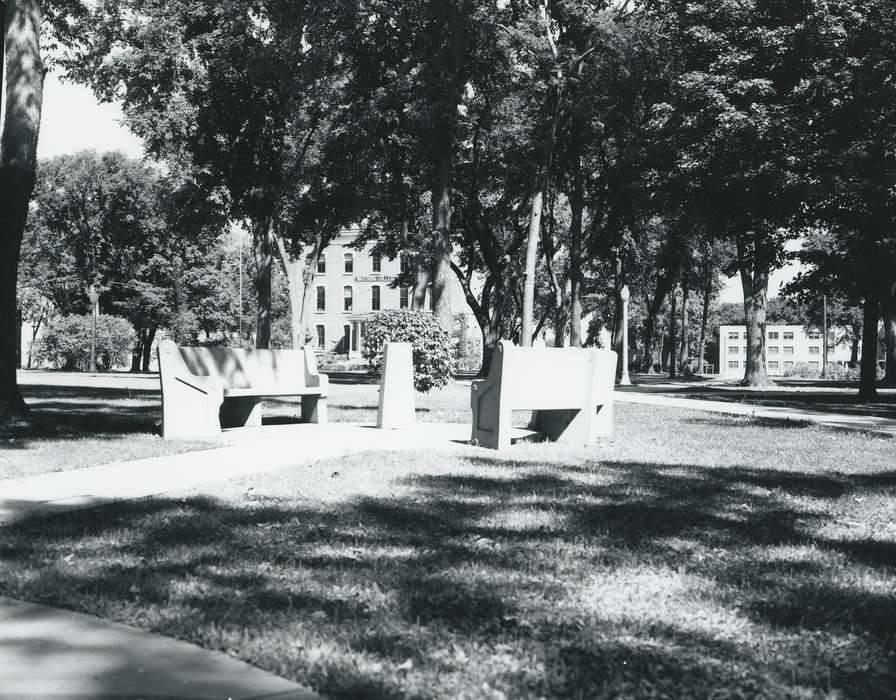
(256,450)
(874,424)
(51,653)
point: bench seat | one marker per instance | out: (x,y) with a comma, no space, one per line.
(569,390)
(207,389)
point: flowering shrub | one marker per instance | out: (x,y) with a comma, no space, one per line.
(433,363)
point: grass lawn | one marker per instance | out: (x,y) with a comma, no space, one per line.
(690,556)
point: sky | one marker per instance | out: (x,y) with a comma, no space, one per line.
(73,120)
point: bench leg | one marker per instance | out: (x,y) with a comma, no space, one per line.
(241,412)
(189,414)
(314,409)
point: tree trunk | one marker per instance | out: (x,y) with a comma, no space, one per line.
(673,308)
(441,248)
(664,351)
(576,278)
(868,371)
(685,341)
(262,244)
(855,341)
(704,321)
(650,331)
(422,278)
(491,332)
(18,148)
(35,329)
(888,314)
(561,317)
(147,349)
(755,286)
(528,321)
(541,186)
(137,353)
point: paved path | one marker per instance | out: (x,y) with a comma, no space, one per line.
(259,450)
(886,426)
(51,653)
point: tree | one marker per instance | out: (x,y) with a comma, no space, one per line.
(37,310)
(235,92)
(852,108)
(735,118)
(25,23)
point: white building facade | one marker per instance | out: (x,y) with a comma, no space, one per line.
(351,285)
(785,348)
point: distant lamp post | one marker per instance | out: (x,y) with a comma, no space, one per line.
(93,293)
(624,296)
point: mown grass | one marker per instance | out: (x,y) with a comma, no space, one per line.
(689,556)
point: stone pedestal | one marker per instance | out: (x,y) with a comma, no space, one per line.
(396,408)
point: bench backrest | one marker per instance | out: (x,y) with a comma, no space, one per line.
(551,378)
(240,368)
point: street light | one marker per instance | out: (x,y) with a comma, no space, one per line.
(624,296)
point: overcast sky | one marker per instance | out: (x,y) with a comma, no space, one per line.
(73,121)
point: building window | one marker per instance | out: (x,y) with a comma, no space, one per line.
(405,262)
(814,364)
(788,363)
(773,364)
(347,298)
(814,335)
(349,263)
(321,298)
(788,335)
(321,337)
(814,350)
(375,298)
(733,335)
(376,263)
(788,349)
(322,264)
(732,364)
(773,335)
(772,349)
(403,298)
(733,350)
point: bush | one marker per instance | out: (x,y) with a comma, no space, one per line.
(66,343)
(433,365)
(803,370)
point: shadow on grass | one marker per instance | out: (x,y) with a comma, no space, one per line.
(72,413)
(655,580)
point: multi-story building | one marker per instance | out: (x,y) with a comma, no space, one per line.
(350,285)
(785,348)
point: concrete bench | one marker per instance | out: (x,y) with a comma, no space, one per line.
(570,391)
(207,389)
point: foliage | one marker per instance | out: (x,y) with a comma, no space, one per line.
(66,342)
(433,363)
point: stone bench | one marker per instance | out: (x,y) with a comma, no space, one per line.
(570,391)
(207,389)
